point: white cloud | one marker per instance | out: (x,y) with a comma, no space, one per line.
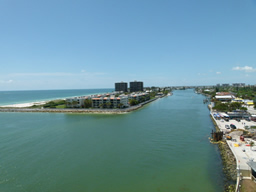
(8,81)
(245,68)
(57,74)
(218,73)
(41,74)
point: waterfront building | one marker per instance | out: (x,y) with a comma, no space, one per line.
(238,84)
(122,86)
(248,102)
(76,102)
(136,86)
(224,96)
(140,96)
(225,85)
(110,102)
(237,100)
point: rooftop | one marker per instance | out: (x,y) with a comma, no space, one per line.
(252,164)
(223,93)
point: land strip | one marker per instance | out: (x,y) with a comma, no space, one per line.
(78,110)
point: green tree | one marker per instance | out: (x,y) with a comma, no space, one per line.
(50,104)
(165,92)
(234,106)
(68,103)
(120,105)
(108,104)
(244,108)
(221,106)
(74,103)
(133,102)
(101,105)
(87,103)
(142,99)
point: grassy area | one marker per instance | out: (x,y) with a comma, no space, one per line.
(60,104)
(55,104)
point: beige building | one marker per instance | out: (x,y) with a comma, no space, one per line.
(110,102)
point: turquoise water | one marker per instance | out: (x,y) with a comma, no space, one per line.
(162,147)
(16,97)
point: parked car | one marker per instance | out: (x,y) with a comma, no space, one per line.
(247,119)
(227,126)
(246,127)
(232,126)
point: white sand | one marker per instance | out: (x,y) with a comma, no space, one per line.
(25,104)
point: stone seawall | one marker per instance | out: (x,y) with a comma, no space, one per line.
(78,110)
(228,161)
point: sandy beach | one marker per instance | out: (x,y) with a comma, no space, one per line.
(20,105)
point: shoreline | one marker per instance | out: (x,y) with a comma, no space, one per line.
(228,161)
(23,105)
(41,102)
(22,108)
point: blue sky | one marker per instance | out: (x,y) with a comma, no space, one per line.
(60,44)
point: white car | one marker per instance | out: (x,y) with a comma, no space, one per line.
(227,126)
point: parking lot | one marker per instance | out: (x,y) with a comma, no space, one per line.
(241,149)
(239,125)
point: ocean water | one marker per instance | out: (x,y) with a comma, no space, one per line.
(16,97)
(161,147)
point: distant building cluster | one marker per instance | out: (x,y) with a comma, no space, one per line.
(229,97)
(116,99)
(135,86)
(122,97)
(233,84)
(108,100)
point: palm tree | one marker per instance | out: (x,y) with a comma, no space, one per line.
(108,104)
(68,103)
(87,103)
(120,105)
(74,103)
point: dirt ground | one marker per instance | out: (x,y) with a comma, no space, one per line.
(248,186)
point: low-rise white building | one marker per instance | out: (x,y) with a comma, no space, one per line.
(76,102)
(139,96)
(224,96)
(110,102)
